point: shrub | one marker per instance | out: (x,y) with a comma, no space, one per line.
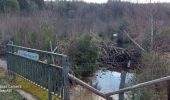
(12,5)
(162,41)
(84,53)
(153,66)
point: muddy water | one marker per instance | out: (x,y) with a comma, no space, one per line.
(105,81)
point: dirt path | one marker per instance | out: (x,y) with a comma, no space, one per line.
(26,95)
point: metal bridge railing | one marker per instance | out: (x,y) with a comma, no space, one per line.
(37,66)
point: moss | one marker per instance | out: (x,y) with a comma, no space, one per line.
(33,89)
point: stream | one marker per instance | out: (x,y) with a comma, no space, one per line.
(109,81)
(105,81)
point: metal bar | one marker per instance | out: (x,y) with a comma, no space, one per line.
(140,85)
(36,61)
(87,86)
(36,50)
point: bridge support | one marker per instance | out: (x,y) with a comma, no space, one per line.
(65,65)
(122,84)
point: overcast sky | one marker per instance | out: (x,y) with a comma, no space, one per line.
(141,1)
(135,1)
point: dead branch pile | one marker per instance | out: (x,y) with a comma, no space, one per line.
(115,57)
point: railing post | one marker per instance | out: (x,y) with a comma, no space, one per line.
(10,49)
(49,78)
(65,65)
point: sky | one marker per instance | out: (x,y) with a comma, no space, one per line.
(134,1)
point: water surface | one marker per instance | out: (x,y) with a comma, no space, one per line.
(109,81)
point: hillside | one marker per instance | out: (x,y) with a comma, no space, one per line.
(69,19)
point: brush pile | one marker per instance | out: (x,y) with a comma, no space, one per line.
(119,58)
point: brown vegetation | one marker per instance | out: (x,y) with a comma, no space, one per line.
(70,19)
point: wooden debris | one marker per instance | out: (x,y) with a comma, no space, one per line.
(116,57)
